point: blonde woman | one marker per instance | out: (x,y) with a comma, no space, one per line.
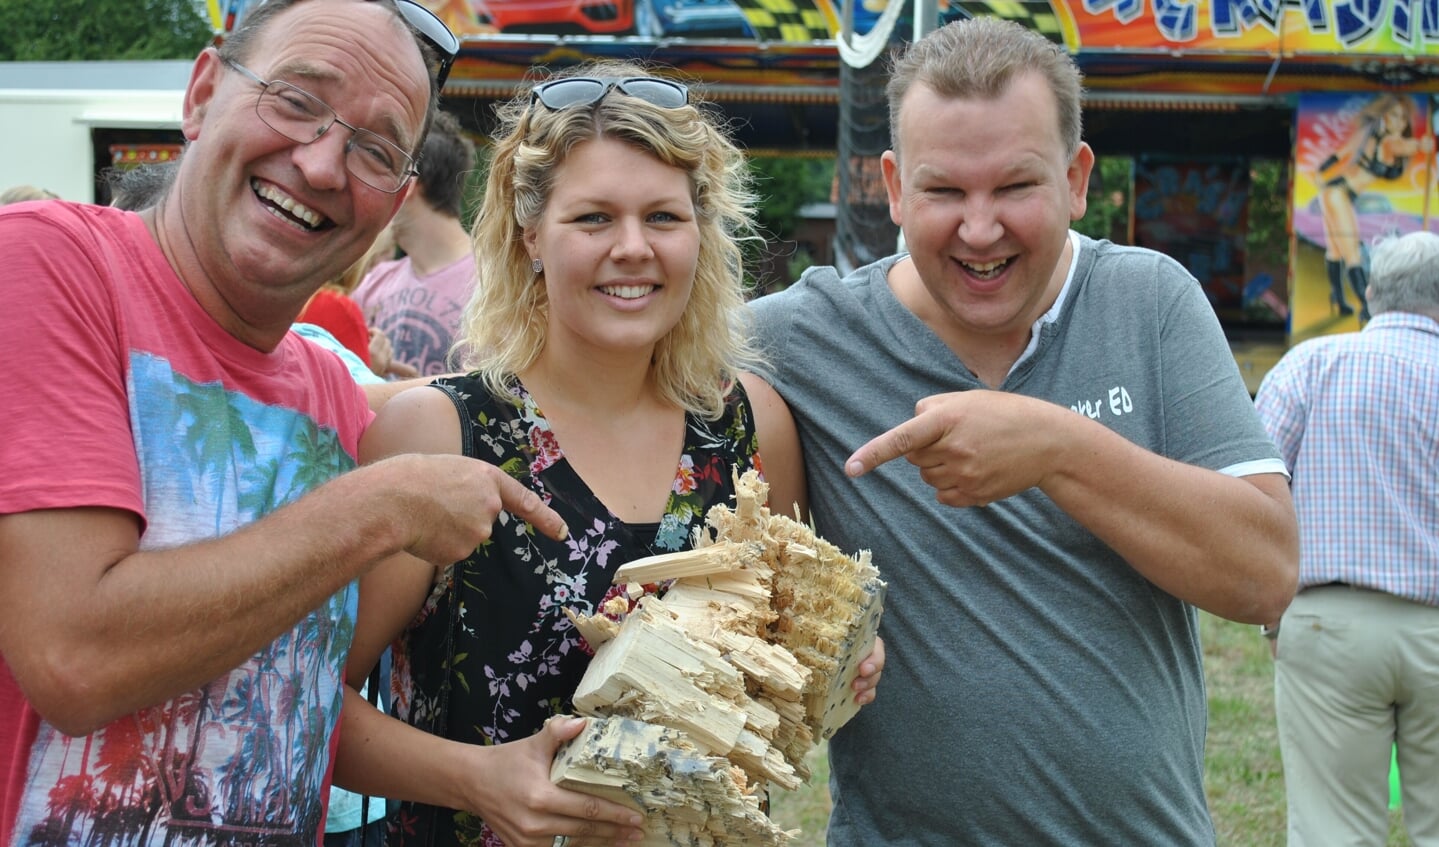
(609,378)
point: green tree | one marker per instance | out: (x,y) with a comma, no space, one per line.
(1107,215)
(784,184)
(81,30)
(1269,212)
(1267,237)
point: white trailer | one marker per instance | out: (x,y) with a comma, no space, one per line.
(62,120)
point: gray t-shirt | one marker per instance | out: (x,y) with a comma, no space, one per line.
(1038,689)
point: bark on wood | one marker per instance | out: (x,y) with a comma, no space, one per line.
(687,797)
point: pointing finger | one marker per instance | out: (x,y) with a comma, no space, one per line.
(527,505)
(913,434)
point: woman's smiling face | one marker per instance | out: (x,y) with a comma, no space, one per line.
(620,243)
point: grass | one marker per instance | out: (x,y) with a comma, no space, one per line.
(1243,775)
(806,809)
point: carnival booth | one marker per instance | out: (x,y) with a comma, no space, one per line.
(1265,144)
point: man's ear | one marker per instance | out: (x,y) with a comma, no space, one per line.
(1078,175)
(204,79)
(889,167)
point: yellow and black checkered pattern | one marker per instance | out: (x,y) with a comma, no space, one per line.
(785,20)
(806,20)
(1037,15)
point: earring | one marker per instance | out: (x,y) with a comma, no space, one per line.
(537,267)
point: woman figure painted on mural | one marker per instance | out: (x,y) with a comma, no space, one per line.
(1378,148)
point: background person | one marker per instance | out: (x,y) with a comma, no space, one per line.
(417,300)
(333,309)
(1356,416)
(24,193)
(607,350)
(179,538)
(1083,468)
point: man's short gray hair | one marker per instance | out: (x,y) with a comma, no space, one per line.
(1404,275)
(238,46)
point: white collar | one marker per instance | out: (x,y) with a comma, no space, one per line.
(1053,314)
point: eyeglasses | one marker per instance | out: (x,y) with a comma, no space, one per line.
(573,91)
(301,116)
(433,32)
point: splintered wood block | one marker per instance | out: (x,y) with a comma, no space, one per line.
(594,629)
(830,606)
(751,584)
(831,709)
(757,756)
(652,671)
(687,797)
(714,559)
(750,655)
(705,610)
(775,669)
(790,711)
(761,719)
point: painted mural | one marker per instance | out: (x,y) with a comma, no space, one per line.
(1197,212)
(1363,170)
(788,46)
(131,155)
(1274,27)
(1269,27)
(1363,161)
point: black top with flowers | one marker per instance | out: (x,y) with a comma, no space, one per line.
(492,655)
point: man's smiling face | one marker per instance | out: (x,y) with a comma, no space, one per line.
(269,219)
(985,193)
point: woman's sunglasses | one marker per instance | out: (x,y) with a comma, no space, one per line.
(435,33)
(574,91)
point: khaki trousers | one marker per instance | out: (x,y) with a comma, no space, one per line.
(1358,672)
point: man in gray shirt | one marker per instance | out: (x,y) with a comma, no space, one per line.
(1084,469)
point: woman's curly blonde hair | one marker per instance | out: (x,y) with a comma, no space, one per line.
(505,323)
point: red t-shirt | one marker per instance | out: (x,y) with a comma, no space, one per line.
(121,392)
(342,317)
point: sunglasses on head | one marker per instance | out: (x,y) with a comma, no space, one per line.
(434,33)
(574,91)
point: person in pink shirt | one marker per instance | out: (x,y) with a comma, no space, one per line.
(182,523)
(417,301)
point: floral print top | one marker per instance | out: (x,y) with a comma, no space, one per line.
(491,655)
